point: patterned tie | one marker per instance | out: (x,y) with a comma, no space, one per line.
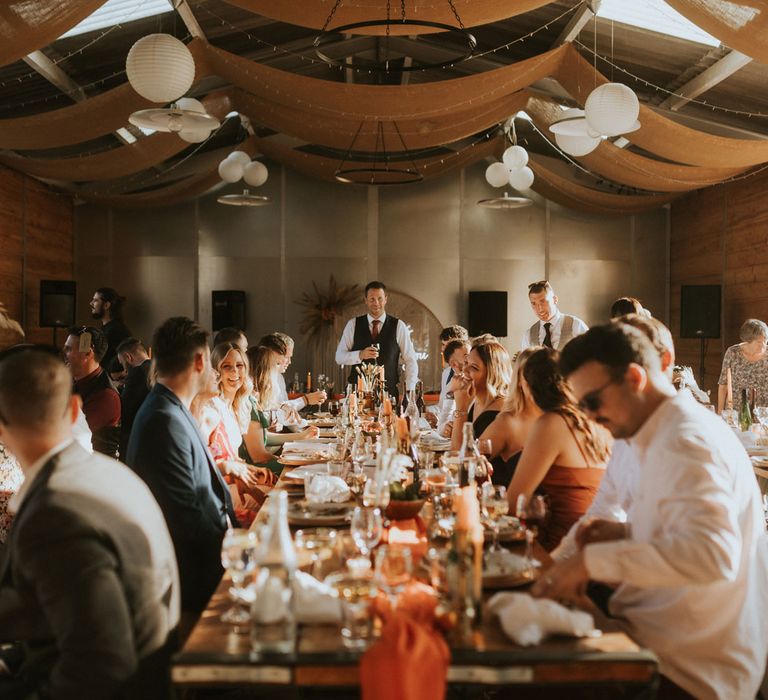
(375,329)
(547,335)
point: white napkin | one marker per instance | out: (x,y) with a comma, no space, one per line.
(314,602)
(434,438)
(306,445)
(527,620)
(325,488)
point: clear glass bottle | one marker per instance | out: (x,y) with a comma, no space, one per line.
(273,628)
(745,415)
(468,454)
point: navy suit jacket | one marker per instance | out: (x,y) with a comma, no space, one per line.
(167,451)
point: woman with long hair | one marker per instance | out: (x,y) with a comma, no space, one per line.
(482,388)
(565,453)
(510,428)
(262,396)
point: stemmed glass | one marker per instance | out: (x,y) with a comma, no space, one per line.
(366,528)
(532,512)
(761,413)
(237,557)
(394,566)
(319,543)
(495,506)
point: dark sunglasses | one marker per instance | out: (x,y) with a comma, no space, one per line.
(591,402)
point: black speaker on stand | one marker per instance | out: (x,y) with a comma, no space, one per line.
(57,304)
(228,309)
(700,316)
(488,313)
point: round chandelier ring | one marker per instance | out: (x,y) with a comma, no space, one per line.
(246,199)
(385,65)
(355,176)
(505,202)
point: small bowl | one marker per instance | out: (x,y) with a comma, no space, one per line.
(404,510)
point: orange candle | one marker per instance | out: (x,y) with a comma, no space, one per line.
(729,388)
(387,406)
(360,384)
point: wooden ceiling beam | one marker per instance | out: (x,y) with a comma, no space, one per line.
(189,19)
(584,14)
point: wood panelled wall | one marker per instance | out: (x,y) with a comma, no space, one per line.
(36,234)
(720,236)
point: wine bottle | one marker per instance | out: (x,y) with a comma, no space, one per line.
(420,398)
(745,415)
(467,455)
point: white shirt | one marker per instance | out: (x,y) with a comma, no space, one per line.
(443,387)
(348,357)
(613,498)
(14,503)
(281,393)
(555,330)
(694,571)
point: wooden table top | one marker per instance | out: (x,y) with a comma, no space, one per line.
(216,654)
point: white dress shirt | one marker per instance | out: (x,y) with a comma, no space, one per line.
(348,357)
(555,330)
(281,393)
(612,500)
(445,405)
(31,473)
(693,573)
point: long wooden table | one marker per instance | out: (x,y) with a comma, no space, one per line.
(217,656)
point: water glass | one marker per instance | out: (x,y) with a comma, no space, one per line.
(366,528)
(376,495)
(451,463)
(355,589)
(394,566)
(426,458)
(319,543)
(237,558)
(337,468)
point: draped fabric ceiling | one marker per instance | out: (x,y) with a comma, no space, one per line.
(449,113)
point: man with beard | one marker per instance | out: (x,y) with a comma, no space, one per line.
(107,306)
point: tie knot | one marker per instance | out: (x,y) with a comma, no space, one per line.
(547,325)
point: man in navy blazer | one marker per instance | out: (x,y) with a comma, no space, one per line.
(167,451)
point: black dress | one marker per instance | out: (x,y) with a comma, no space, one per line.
(503,470)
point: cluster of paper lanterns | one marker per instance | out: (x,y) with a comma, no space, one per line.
(512,170)
(610,110)
(238,164)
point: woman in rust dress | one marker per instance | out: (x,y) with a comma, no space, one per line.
(564,455)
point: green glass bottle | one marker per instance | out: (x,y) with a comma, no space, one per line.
(745,415)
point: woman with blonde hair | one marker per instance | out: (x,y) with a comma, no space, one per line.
(482,388)
(510,428)
(565,453)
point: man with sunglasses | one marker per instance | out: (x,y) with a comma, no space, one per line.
(554,328)
(691,563)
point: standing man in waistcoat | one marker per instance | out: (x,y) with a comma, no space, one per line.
(554,328)
(362,335)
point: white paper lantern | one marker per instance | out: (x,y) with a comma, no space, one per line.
(194,135)
(240,157)
(190,104)
(577,145)
(521,179)
(571,122)
(612,109)
(230,170)
(160,68)
(497,174)
(515,157)
(255,174)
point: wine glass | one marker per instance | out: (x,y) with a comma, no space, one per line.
(319,543)
(237,557)
(333,408)
(761,413)
(495,506)
(376,495)
(532,512)
(394,566)
(366,528)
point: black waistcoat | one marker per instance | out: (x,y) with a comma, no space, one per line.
(389,350)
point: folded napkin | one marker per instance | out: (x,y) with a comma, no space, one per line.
(314,601)
(410,659)
(527,620)
(306,445)
(434,438)
(324,488)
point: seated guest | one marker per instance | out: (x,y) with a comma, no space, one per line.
(168,452)
(511,427)
(282,346)
(691,564)
(231,335)
(448,334)
(135,361)
(626,305)
(89,579)
(565,454)
(455,356)
(748,365)
(682,378)
(83,350)
(258,436)
(483,388)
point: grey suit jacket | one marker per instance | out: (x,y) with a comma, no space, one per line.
(89,583)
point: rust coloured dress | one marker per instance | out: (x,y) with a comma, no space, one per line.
(569,492)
